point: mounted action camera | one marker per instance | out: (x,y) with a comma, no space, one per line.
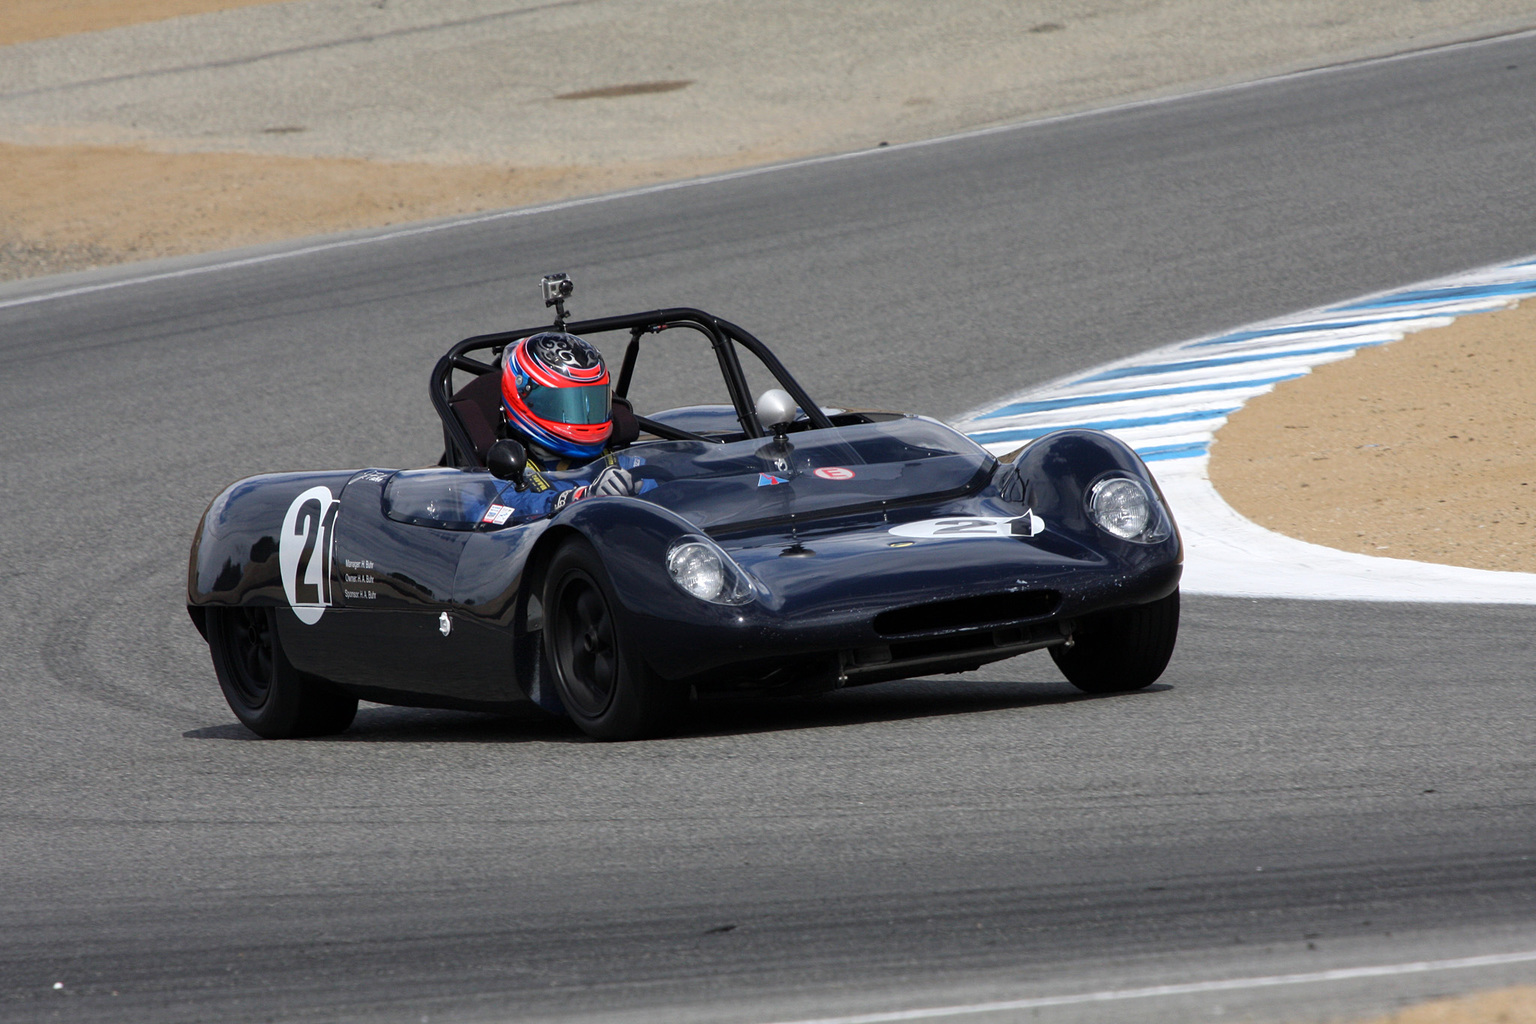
(557,288)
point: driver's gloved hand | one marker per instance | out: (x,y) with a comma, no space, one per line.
(612,482)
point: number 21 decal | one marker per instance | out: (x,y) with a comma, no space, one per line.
(960,527)
(304,552)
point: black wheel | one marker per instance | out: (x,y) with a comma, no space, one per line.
(1125,649)
(269,696)
(605,686)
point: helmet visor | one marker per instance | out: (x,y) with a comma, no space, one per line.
(587,404)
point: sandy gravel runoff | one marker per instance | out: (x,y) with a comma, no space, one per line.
(26,20)
(1422,449)
(1505,1006)
(466,105)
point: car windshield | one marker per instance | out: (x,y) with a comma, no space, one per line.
(814,472)
(449,499)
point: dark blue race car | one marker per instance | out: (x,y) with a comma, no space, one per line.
(777,547)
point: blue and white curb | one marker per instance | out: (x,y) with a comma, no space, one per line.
(1169,403)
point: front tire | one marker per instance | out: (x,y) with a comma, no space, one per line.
(270,697)
(606,687)
(1126,649)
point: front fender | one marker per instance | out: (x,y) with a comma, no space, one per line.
(632,537)
(1058,471)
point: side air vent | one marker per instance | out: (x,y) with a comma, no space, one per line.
(967,612)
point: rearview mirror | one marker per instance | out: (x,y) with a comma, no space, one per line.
(506,460)
(775,409)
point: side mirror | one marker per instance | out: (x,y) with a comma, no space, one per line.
(775,410)
(506,461)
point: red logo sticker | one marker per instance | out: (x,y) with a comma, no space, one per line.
(834,473)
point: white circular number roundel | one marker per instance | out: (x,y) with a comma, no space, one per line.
(304,553)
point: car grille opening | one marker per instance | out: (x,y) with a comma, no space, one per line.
(978,612)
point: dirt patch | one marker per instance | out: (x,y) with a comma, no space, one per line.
(1503,1006)
(1422,449)
(26,20)
(70,207)
(203,110)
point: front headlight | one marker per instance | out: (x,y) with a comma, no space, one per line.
(709,574)
(1121,506)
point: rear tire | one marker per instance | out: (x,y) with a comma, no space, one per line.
(605,686)
(270,697)
(1126,649)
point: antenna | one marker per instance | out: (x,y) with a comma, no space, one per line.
(557,288)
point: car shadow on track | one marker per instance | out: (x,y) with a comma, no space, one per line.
(380,723)
(885,702)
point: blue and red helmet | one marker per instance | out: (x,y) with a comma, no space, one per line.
(555,392)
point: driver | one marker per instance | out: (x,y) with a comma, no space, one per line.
(556,402)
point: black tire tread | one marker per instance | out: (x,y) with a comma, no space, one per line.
(297,705)
(1126,649)
(645,705)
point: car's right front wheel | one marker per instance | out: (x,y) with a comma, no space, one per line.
(1124,649)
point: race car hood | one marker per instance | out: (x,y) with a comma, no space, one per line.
(811,475)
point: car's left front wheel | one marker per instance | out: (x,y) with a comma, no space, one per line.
(270,697)
(604,684)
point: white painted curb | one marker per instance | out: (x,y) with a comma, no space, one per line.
(1169,403)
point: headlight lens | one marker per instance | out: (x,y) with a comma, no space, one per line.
(706,572)
(1120,506)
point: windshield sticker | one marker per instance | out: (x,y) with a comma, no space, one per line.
(304,549)
(497,515)
(769,480)
(960,528)
(834,473)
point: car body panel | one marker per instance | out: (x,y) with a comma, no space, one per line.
(827,561)
(876,545)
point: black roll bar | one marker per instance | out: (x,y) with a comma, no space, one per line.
(723,336)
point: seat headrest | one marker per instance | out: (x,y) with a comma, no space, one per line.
(625,427)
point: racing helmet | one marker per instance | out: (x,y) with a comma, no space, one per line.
(555,392)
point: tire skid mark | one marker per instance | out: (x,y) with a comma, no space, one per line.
(85,638)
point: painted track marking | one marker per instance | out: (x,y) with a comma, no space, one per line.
(1168,404)
(1183,989)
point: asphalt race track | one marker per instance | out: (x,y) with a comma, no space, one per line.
(1311,785)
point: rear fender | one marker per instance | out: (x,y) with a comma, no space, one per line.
(235,556)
